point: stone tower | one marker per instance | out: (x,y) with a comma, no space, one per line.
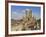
(28,13)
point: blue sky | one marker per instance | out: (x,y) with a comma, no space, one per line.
(17,11)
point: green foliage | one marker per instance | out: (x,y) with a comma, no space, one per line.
(39,20)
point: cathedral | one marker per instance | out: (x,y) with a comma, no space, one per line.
(29,20)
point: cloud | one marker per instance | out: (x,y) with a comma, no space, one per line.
(16,15)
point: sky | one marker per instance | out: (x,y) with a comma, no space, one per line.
(18,11)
